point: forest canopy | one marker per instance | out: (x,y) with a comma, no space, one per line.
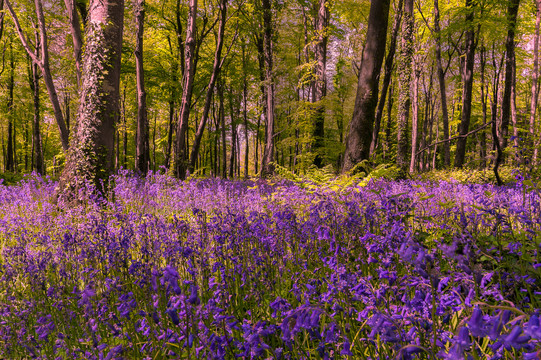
(234,88)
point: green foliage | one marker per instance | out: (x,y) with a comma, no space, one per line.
(9,178)
(464,176)
(326,177)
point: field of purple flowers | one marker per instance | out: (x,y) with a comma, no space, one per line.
(213,269)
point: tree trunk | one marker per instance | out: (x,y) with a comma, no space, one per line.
(389,61)
(484,100)
(512,11)
(76,36)
(467,85)
(387,148)
(221,116)
(187,88)
(42,59)
(91,153)
(404,85)
(320,84)
(37,154)
(533,142)
(360,129)
(414,118)
(218,63)
(10,158)
(245,110)
(142,151)
(443,87)
(268,155)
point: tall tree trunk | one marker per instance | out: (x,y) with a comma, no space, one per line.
(172,105)
(245,110)
(187,88)
(387,148)
(142,151)
(404,85)
(42,59)
(234,135)
(414,118)
(91,154)
(484,100)
(467,86)
(532,141)
(76,36)
(268,155)
(10,158)
(37,154)
(218,63)
(389,61)
(320,84)
(361,125)
(512,11)
(443,87)
(221,116)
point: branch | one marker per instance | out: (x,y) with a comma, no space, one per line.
(454,138)
(33,55)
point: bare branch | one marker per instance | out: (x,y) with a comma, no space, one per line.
(20,32)
(454,138)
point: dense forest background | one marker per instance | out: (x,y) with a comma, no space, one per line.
(230,87)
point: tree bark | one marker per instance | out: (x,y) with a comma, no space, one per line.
(76,36)
(245,110)
(512,11)
(535,84)
(268,155)
(443,87)
(404,85)
(484,100)
(42,59)
(414,118)
(218,63)
(91,154)
(360,128)
(142,151)
(467,86)
(187,88)
(10,154)
(320,83)
(37,154)
(389,61)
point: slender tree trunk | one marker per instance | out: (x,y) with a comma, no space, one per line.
(512,12)
(389,61)
(532,141)
(320,84)
(443,87)
(172,105)
(484,98)
(404,85)
(42,59)
(233,154)
(414,118)
(245,110)
(361,125)
(37,154)
(387,148)
(187,88)
(467,86)
(142,151)
(221,116)
(218,63)
(76,36)
(91,154)
(10,160)
(268,155)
